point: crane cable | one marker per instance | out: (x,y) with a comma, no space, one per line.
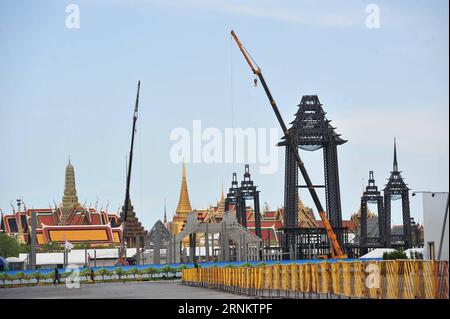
(232,97)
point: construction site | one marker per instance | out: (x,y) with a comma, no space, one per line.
(334,268)
(238,247)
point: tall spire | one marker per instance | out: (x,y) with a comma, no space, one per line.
(184,205)
(70,199)
(221,203)
(395,157)
(165,213)
(222,195)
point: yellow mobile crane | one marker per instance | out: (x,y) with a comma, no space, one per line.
(335,251)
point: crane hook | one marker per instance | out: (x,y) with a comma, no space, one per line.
(255,81)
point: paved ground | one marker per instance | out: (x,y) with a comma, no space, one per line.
(140,290)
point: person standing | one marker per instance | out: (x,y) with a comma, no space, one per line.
(57,276)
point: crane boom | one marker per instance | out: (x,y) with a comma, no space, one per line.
(336,250)
(123,250)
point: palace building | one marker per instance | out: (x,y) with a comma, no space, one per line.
(272,221)
(73,222)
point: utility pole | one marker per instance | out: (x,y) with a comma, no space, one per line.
(33,240)
(127,190)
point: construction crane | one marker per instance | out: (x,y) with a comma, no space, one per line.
(123,250)
(335,251)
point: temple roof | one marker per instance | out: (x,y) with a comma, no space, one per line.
(70,198)
(184,205)
(311,129)
(132,224)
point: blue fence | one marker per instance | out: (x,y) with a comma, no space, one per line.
(190,265)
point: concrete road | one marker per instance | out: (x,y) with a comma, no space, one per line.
(139,290)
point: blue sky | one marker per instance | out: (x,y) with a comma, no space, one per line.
(71,92)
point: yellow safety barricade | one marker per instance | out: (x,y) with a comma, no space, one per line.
(314,277)
(391,273)
(335,278)
(285,277)
(307,278)
(410,279)
(302,274)
(294,277)
(391,279)
(359,279)
(429,288)
(373,279)
(276,277)
(346,284)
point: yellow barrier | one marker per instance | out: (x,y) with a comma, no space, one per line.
(406,279)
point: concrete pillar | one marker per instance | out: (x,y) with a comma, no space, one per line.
(226,244)
(221,245)
(169,251)
(245,247)
(138,250)
(157,247)
(192,240)
(206,244)
(177,250)
(33,240)
(212,247)
(238,249)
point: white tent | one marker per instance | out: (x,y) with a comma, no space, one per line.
(377,253)
(78,256)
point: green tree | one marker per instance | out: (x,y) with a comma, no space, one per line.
(24,249)
(66,274)
(84,273)
(102,272)
(28,277)
(9,246)
(166,270)
(19,276)
(396,254)
(119,272)
(132,271)
(4,277)
(38,276)
(150,271)
(49,275)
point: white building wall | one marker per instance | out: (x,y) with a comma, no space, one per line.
(433,220)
